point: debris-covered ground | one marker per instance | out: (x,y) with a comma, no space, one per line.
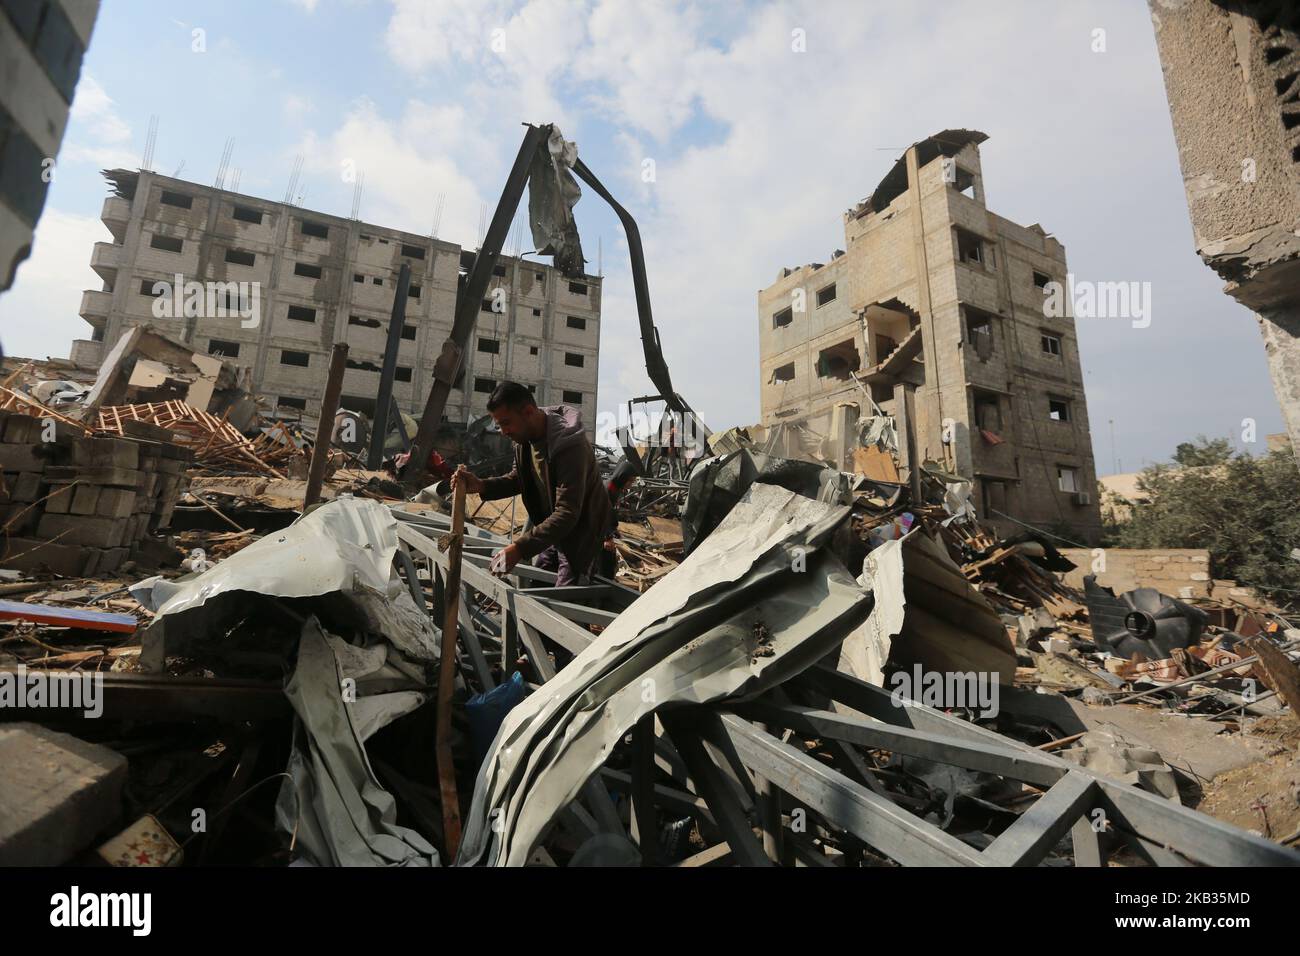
(792,664)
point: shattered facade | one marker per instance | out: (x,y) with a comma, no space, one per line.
(936,296)
(1232,75)
(324,279)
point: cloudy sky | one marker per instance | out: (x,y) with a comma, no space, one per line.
(757,149)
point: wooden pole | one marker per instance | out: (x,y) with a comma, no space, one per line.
(320,452)
(447,677)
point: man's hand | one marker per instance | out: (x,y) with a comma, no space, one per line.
(472,482)
(503,561)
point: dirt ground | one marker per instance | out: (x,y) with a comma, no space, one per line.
(1273,784)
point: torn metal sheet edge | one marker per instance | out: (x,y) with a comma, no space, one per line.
(346,546)
(926,612)
(332,803)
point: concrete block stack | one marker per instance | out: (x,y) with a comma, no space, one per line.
(77,505)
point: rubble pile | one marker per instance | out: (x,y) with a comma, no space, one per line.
(793,665)
(81,505)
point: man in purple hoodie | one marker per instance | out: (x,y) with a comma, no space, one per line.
(556,475)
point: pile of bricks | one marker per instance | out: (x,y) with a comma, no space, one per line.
(78,505)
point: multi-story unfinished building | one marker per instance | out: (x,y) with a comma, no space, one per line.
(322,279)
(934,313)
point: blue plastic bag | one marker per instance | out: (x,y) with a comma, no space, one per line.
(486,711)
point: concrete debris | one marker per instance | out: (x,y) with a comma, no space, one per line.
(146,367)
(826,642)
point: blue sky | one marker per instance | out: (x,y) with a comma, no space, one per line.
(757,150)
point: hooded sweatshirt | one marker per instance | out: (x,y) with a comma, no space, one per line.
(573,512)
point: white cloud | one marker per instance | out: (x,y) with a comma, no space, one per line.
(422,35)
(406,164)
(44,303)
(297,107)
(96,132)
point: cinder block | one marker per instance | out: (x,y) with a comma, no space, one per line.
(106,453)
(176,453)
(109,560)
(84,500)
(20,486)
(22,429)
(116,477)
(115,502)
(59,793)
(21,458)
(28,554)
(76,529)
(25,486)
(60,498)
(150,484)
(163,517)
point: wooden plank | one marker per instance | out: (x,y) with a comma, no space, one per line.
(714,855)
(446,683)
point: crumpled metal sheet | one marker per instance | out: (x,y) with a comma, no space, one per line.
(344,547)
(925,612)
(734,619)
(338,812)
(878,430)
(718,483)
(552,194)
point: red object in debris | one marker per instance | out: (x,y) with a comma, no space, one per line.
(67,617)
(990,437)
(437,466)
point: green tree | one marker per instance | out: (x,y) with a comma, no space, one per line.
(1203,452)
(1244,510)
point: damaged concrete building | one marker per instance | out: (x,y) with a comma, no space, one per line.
(934,313)
(316,279)
(42,43)
(1232,75)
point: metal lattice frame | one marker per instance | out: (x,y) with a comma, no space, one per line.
(742,769)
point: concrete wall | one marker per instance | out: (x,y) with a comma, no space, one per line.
(1177,572)
(1234,98)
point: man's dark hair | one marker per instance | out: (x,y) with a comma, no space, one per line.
(511,395)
